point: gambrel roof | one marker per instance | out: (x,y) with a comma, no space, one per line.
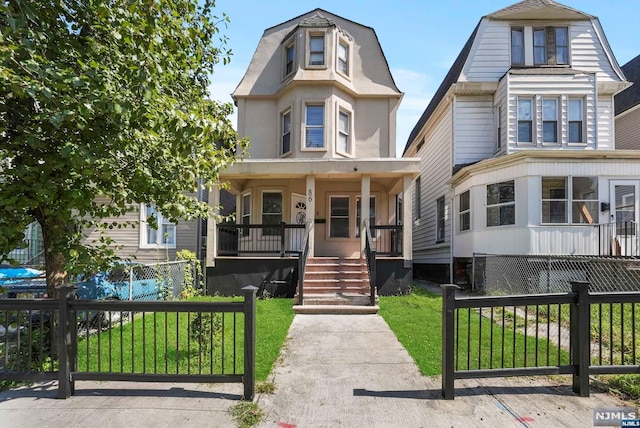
(543,9)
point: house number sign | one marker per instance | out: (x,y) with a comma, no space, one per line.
(310,195)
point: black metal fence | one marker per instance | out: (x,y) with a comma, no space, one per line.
(577,333)
(281,239)
(388,239)
(158,341)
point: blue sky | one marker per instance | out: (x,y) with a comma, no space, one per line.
(420,39)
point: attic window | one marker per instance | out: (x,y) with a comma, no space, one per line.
(289,56)
(316,50)
(551,46)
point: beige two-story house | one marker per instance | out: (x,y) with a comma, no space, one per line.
(321,183)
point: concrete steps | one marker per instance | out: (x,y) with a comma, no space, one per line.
(337,285)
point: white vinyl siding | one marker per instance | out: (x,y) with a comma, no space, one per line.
(473,134)
(605,123)
(587,53)
(628,130)
(436,164)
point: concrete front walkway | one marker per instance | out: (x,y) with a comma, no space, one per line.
(351,371)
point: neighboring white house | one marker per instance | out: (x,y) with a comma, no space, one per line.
(628,109)
(518,146)
(319,104)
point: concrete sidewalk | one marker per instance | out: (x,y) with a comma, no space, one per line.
(335,371)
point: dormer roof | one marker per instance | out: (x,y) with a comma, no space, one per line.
(539,9)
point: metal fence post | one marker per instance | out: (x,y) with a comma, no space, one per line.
(448,306)
(65,293)
(282,244)
(249,376)
(580,337)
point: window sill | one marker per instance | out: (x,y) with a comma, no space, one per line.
(156,247)
(314,149)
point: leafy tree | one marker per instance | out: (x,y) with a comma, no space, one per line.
(103,105)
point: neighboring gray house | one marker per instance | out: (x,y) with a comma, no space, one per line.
(319,104)
(517,146)
(628,109)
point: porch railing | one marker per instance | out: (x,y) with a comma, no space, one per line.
(370,253)
(281,239)
(619,239)
(302,263)
(388,239)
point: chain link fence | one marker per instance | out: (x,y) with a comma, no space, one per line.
(525,274)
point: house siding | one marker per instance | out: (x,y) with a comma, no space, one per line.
(474,132)
(605,123)
(627,128)
(490,54)
(436,168)
(587,52)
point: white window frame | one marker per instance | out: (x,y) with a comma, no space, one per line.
(285,132)
(551,120)
(262,213)
(441,218)
(316,34)
(498,128)
(372,201)
(464,212)
(245,214)
(576,206)
(343,62)
(344,133)
(330,216)
(570,121)
(557,197)
(514,46)
(550,46)
(305,126)
(162,222)
(531,121)
(500,204)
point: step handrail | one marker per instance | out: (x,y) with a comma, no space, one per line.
(302,262)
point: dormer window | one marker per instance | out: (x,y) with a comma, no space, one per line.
(289,56)
(544,46)
(316,50)
(517,46)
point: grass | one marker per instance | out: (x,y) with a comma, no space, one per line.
(416,320)
(147,344)
(246,414)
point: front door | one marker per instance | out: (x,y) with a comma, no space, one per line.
(298,216)
(624,215)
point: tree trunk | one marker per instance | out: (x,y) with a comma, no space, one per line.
(54,261)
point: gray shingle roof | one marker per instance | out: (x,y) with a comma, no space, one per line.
(530,5)
(630,97)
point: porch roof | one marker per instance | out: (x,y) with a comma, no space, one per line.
(322,168)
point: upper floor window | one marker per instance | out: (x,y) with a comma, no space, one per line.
(344,142)
(551,46)
(501,204)
(163,233)
(285,136)
(316,49)
(465,211)
(499,128)
(574,120)
(271,212)
(517,46)
(525,120)
(289,57)
(550,120)
(440,219)
(314,126)
(343,58)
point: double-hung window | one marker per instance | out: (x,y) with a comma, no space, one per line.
(464,204)
(372,213)
(316,50)
(549,120)
(554,200)
(246,214)
(501,204)
(343,58)
(525,120)
(574,120)
(339,217)
(440,219)
(517,46)
(289,57)
(344,120)
(314,126)
(285,136)
(163,233)
(271,212)
(551,46)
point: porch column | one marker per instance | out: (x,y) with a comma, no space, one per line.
(212,227)
(365,192)
(407,223)
(311,211)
